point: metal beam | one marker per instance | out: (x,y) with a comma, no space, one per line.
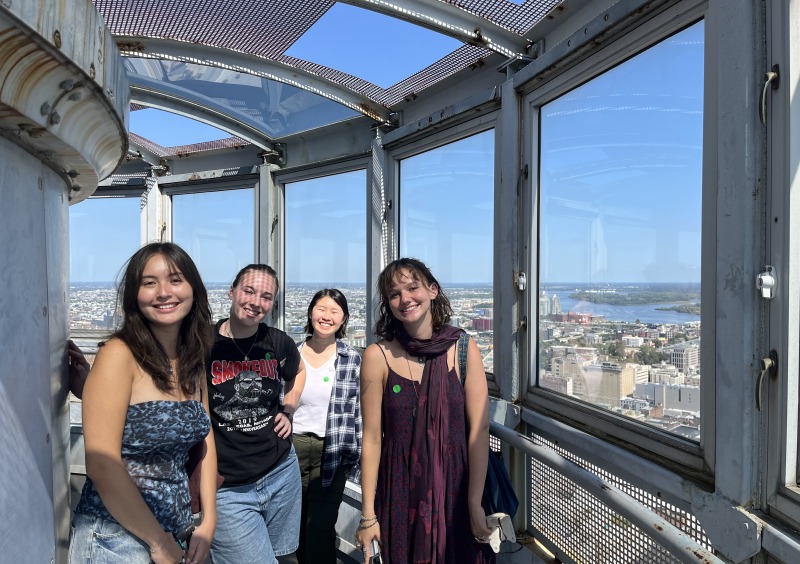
(451,20)
(165,96)
(139,46)
(143,153)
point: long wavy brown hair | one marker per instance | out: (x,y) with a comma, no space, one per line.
(386,326)
(194,337)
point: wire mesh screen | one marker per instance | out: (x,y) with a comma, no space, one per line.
(583,530)
(495,444)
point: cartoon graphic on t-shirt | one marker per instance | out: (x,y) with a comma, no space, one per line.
(249,404)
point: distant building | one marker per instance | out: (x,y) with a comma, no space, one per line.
(555,304)
(634,404)
(685,399)
(482,324)
(545,306)
(592,338)
(666,374)
(629,341)
(641,373)
(685,356)
(604,383)
(573,317)
(560,385)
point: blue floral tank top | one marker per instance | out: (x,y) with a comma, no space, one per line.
(155,447)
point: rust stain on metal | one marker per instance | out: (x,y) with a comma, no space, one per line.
(130,46)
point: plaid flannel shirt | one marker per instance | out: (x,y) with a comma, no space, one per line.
(343,430)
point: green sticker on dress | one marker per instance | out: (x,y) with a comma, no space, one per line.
(325,379)
(396,388)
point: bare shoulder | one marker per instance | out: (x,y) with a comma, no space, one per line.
(375,350)
(373,362)
(114,350)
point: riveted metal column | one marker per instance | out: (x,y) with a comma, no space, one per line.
(63,113)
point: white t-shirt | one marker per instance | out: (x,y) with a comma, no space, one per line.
(311,415)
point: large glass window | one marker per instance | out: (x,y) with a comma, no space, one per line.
(620,236)
(103,234)
(217,229)
(326,247)
(446,221)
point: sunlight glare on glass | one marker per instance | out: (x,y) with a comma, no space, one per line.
(378,48)
(172,130)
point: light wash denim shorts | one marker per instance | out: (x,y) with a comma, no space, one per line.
(258,522)
(98,541)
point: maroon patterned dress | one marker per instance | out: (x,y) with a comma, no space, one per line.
(391,500)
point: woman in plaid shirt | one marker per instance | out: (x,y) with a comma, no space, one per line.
(327,423)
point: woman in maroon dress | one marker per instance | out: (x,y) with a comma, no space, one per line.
(425,436)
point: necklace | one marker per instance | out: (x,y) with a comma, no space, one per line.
(235,344)
(413,387)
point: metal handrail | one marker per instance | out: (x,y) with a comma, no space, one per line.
(678,543)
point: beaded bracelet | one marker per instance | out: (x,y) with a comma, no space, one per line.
(362,526)
(365,519)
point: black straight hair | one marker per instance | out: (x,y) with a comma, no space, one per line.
(338,297)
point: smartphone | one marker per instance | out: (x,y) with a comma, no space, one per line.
(375,550)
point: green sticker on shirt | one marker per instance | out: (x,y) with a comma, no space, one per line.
(325,379)
(396,388)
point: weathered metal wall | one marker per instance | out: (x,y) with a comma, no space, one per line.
(63,113)
(33,330)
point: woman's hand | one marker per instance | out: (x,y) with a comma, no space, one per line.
(283,425)
(477,521)
(166,553)
(78,369)
(199,545)
(364,539)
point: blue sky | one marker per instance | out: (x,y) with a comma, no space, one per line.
(619,180)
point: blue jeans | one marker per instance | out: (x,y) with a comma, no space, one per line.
(259,521)
(98,541)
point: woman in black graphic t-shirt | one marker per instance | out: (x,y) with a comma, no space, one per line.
(251,364)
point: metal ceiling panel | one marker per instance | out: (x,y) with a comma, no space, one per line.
(264,29)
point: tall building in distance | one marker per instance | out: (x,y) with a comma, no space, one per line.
(555,305)
(544,305)
(685,356)
(549,305)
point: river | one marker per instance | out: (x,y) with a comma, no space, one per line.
(646,313)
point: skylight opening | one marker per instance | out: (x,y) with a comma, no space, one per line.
(377,48)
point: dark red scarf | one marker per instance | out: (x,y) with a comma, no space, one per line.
(429,443)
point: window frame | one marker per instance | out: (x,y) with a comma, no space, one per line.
(686,457)
(781,395)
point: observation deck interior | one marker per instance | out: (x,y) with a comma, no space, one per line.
(604,189)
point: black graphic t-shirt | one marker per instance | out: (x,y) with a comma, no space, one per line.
(244,397)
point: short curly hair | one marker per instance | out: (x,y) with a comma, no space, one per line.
(386,326)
